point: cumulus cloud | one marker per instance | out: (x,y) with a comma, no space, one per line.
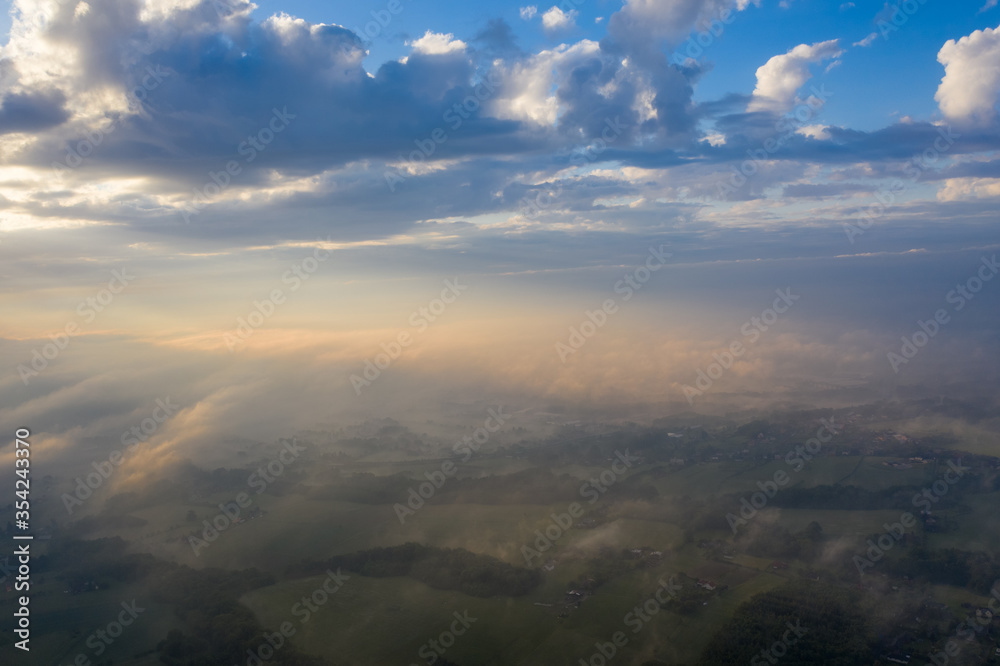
(529,12)
(170,91)
(436,43)
(971,84)
(530,94)
(556,19)
(781,77)
(221,76)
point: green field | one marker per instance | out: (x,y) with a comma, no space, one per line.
(387,620)
(396,616)
(64,624)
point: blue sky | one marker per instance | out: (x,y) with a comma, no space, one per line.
(873,84)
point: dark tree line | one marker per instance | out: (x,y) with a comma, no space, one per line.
(835,631)
(976,571)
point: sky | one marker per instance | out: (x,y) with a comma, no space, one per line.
(243,205)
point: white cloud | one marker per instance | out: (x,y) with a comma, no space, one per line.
(436,43)
(971,82)
(818,132)
(556,19)
(990,4)
(528,13)
(966,189)
(780,78)
(846,5)
(867,41)
(528,92)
